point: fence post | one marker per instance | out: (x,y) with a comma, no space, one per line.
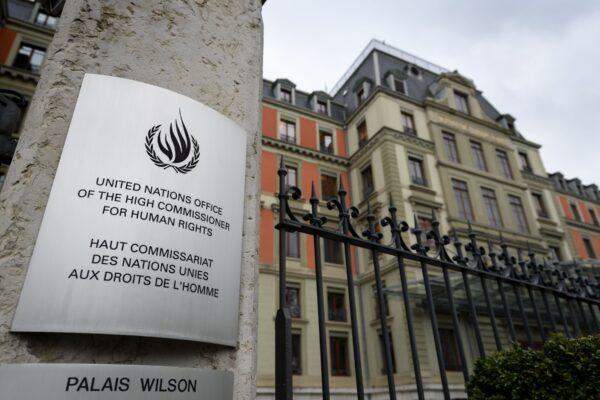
(283,321)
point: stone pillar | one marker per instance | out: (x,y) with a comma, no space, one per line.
(210,51)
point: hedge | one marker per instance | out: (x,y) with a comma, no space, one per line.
(563,369)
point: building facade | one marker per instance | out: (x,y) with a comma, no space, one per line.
(396,126)
(580,214)
(26,30)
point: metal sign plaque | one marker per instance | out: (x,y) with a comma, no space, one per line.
(112,382)
(142,233)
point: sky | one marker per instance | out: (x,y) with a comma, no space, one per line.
(538,60)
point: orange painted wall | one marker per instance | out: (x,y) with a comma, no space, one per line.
(565,206)
(596,244)
(310,251)
(341,143)
(269,172)
(308,133)
(309,173)
(7,37)
(346,183)
(579,246)
(267,236)
(269,122)
(587,218)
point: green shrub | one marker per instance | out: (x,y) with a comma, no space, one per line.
(563,369)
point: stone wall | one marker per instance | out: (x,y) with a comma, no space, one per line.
(210,51)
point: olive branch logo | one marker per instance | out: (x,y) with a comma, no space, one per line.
(175,147)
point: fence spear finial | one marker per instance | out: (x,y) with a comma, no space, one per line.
(416,221)
(281,163)
(313,192)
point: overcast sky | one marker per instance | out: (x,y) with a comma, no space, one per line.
(538,60)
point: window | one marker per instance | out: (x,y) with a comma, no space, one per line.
(518,213)
(575,212)
(461,194)
(363,135)
(478,156)
(337,306)
(450,146)
(329,187)
(382,347)
(322,107)
(292,300)
(291,179)
(29,57)
(338,346)
(45,20)
(399,86)
(367,181)
(555,253)
(415,170)
(425,224)
(361,95)
(285,95)
(525,166)
(592,214)
(408,124)
(491,207)
(538,202)
(287,131)
(332,251)
(461,101)
(449,349)
(326,142)
(376,301)
(589,248)
(293,244)
(296,354)
(504,164)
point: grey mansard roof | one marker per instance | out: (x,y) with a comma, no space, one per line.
(373,65)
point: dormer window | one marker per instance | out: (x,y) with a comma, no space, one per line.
(322,107)
(285,95)
(361,95)
(461,102)
(524,160)
(399,86)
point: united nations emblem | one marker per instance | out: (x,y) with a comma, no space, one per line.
(173,148)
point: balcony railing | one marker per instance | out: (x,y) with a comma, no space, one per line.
(410,131)
(288,139)
(326,149)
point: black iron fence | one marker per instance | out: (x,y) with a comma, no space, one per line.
(532,296)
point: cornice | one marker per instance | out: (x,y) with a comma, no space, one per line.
(525,141)
(536,178)
(486,175)
(18,73)
(306,111)
(380,90)
(391,134)
(512,237)
(294,148)
(488,124)
(32,27)
(582,225)
(426,200)
(551,232)
(572,194)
